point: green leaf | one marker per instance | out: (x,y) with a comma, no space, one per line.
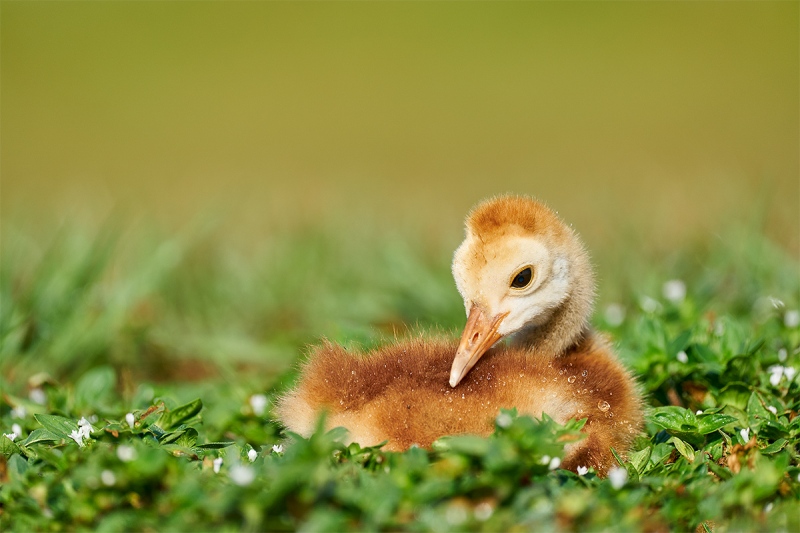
(660,453)
(471,445)
(754,347)
(337,434)
(17,466)
(183,437)
(617,457)
(179,451)
(741,367)
(683,448)
(674,418)
(169,438)
(757,414)
(51,456)
(8,447)
(58,425)
(726,438)
(157,432)
(705,355)
(708,423)
(641,459)
(721,472)
(734,394)
(775,447)
(633,473)
(679,343)
(174,418)
(773,429)
(94,387)
(40,435)
(117,427)
(215,445)
(188,438)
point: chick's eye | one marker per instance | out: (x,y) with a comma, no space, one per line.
(522,279)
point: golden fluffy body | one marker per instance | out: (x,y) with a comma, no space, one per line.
(523,274)
(399,393)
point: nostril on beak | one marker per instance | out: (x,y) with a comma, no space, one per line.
(476,337)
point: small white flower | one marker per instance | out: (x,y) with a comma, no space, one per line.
(19,412)
(782,355)
(483,511)
(791,319)
(16,429)
(649,305)
(258,402)
(455,514)
(217,464)
(81,434)
(699,412)
(77,436)
(614,314)
(11,436)
(252,454)
(555,462)
(618,477)
(242,475)
(583,470)
(129,418)
(768,507)
(108,478)
(277,448)
(776,303)
(126,453)
(745,433)
(93,419)
(674,290)
(545,460)
(682,357)
(775,374)
(83,423)
(772,409)
(37,395)
(504,420)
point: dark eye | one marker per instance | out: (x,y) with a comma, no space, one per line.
(523,278)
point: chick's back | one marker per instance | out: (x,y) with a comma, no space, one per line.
(400,392)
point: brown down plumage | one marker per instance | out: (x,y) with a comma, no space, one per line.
(554,363)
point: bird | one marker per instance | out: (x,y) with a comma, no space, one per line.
(528,288)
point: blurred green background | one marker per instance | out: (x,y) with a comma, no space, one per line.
(271,172)
(674,118)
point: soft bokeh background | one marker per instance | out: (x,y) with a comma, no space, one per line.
(302,137)
(677,118)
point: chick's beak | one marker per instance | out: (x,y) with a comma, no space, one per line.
(479,335)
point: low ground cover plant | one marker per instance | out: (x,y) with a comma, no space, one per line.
(137,388)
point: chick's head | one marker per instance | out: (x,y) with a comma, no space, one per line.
(518,265)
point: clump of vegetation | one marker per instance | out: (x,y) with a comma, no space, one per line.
(137,385)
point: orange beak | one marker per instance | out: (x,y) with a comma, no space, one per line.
(479,335)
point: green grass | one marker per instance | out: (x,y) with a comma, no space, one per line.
(187,333)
